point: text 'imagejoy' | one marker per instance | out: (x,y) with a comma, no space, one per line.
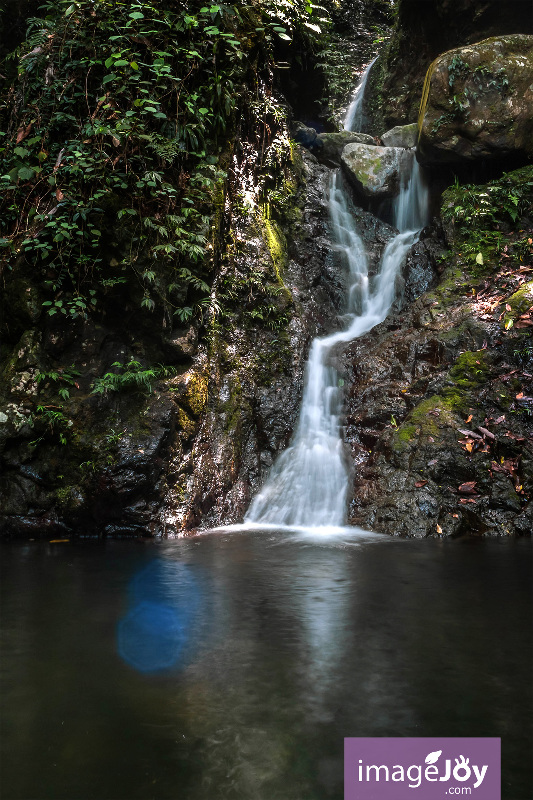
(430,768)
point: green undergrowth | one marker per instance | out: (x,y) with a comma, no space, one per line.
(113,123)
(482,217)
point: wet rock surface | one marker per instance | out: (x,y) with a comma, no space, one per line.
(331,145)
(255,377)
(438,410)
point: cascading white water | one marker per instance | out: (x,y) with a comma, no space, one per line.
(353,120)
(308,484)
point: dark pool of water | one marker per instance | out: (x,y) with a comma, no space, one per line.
(232,665)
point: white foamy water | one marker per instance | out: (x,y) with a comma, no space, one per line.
(353,120)
(308,484)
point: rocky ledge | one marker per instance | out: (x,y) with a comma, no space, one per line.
(440,406)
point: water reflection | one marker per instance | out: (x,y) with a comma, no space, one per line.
(257,653)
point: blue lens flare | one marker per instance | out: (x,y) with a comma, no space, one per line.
(150,637)
(164,604)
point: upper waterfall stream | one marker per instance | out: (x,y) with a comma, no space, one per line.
(308,484)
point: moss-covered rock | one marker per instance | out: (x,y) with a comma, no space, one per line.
(401,136)
(331,145)
(422,32)
(374,172)
(477,102)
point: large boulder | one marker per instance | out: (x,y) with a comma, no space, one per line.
(424,29)
(329,146)
(401,136)
(478,102)
(374,172)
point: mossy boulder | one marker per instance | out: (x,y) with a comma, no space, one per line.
(477,102)
(374,172)
(329,146)
(401,136)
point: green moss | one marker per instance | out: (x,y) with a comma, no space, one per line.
(522,300)
(186,423)
(277,246)
(232,409)
(403,436)
(196,392)
(470,370)
(64,495)
(428,418)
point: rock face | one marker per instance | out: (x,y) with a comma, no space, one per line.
(478,102)
(440,394)
(255,376)
(401,136)
(374,172)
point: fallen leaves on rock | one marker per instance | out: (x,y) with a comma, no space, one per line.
(467,488)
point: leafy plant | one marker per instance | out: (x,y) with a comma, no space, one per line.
(130,376)
(60,376)
(111,133)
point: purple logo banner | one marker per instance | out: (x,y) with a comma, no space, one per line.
(422,768)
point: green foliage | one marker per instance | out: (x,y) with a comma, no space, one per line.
(55,422)
(112,133)
(481,214)
(130,376)
(457,69)
(60,377)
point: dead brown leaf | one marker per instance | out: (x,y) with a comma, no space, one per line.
(23,132)
(467,488)
(470,434)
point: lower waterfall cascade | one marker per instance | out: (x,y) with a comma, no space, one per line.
(308,483)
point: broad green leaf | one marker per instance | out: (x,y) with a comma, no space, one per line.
(479,258)
(25,173)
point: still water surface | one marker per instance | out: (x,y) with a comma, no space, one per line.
(231,665)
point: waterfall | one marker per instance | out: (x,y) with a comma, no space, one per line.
(353,120)
(308,484)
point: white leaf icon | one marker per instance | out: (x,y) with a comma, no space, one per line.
(432,757)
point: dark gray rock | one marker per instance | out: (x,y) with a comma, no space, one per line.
(329,146)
